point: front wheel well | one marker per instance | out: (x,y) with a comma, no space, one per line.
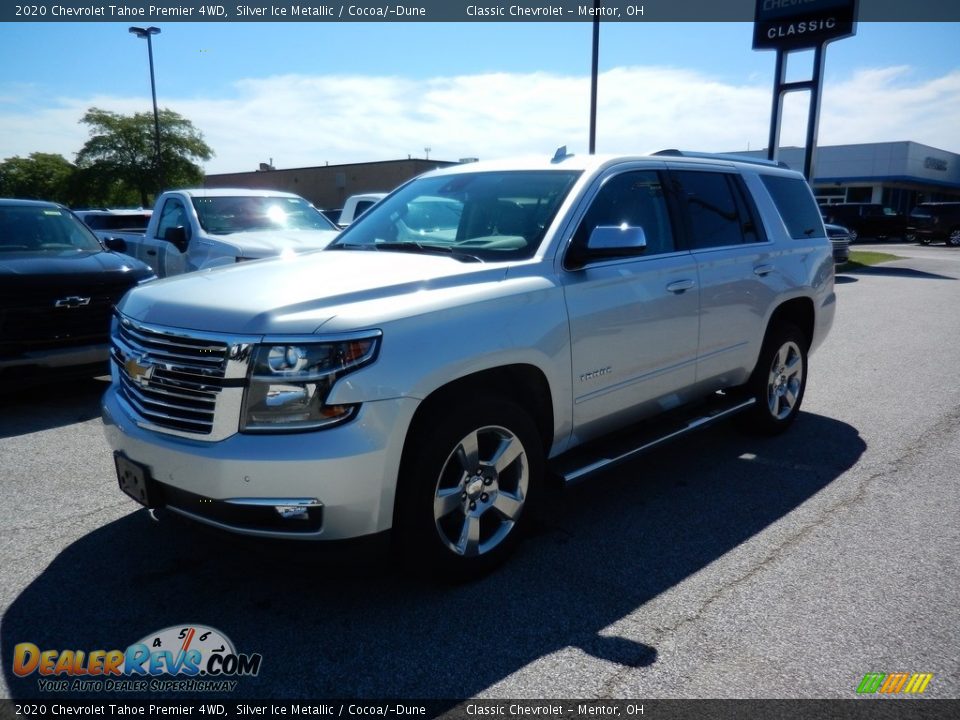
(526,385)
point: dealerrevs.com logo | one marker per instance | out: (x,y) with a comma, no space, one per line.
(894,683)
(187,658)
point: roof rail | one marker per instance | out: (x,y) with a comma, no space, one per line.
(672,152)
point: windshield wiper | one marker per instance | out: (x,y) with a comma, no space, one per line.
(350,246)
(418,247)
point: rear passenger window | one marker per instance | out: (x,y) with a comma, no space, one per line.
(796,206)
(719,211)
(634,199)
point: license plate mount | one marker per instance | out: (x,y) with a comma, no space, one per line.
(134,480)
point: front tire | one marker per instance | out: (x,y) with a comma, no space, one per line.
(778,382)
(953,239)
(467,482)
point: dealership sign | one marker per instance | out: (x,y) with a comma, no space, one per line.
(795,24)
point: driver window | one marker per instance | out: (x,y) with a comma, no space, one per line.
(173,215)
(633,198)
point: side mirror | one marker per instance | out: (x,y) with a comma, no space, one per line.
(116,244)
(608,242)
(177,236)
(614,240)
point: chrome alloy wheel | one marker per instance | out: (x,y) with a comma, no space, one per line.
(481,491)
(785,380)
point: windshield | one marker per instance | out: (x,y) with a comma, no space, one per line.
(489,216)
(43,229)
(225,215)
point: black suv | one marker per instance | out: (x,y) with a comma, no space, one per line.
(866,220)
(935,221)
(58,286)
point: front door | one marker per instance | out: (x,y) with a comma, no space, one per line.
(634,320)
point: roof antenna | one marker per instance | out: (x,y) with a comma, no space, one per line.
(561,154)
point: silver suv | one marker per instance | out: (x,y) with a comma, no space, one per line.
(479,327)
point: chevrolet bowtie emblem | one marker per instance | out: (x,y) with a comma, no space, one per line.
(72,302)
(139,371)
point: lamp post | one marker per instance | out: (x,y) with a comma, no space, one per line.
(594,72)
(148,33)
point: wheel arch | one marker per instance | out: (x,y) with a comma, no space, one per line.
(798,311)
(524,384)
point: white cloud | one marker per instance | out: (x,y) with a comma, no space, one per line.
(303,120)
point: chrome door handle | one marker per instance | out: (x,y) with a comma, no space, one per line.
(762,270)
(681,286)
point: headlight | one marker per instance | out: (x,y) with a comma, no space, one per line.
(290,382)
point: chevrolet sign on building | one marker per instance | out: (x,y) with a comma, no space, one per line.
(796,24)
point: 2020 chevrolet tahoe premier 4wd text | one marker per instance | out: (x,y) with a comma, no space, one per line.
(477,328)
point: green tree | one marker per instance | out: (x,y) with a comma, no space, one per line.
(41,176)
(119,159)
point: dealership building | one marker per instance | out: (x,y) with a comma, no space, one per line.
(899,175)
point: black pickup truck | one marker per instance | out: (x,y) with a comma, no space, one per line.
(58,287)
(866,220)
(935,221)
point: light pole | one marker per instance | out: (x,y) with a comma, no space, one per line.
(148,33)
(594,71)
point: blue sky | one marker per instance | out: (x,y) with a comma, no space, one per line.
(309,93)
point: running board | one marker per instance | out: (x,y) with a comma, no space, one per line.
(576,465)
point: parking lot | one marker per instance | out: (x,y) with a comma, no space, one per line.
(718,566)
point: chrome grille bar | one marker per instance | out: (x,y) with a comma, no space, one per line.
(180,382)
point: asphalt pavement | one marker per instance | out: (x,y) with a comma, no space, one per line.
(720,566)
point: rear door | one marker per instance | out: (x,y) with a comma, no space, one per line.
(736,270)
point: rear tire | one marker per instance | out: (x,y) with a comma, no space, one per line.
(469,476)
(953,239)
(778,381)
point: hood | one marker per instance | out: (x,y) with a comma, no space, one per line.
(269,243)
(298,294)
(69,270)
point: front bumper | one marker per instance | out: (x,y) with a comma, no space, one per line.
(56,358)
(350,470)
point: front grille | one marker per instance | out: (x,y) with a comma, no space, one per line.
(177,381)
(33,322)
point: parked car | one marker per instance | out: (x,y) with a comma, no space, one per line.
(58,288)
(482,324)
(840,240)
(935,221)
(197,229)
(866,220)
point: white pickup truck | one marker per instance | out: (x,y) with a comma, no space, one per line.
(481,329)
(211,227)
(357,205)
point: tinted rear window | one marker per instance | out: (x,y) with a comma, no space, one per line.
(796,205)
(133,223)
